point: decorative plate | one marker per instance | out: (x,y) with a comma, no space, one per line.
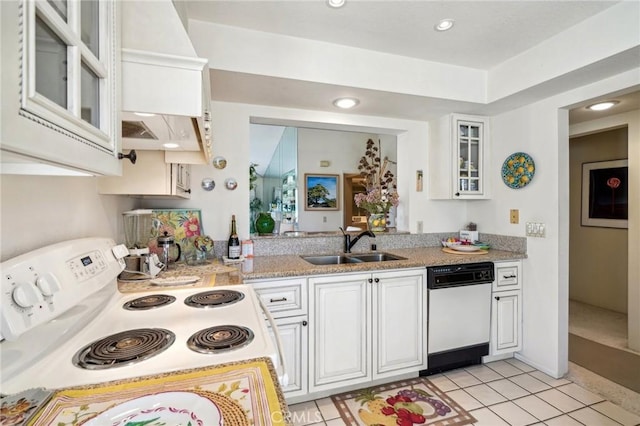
(208,184)
(219,162)
(167,408)
(518,170)
(231,184)
(464,247)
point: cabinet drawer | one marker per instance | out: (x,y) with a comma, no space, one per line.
(283,298)
(507,276)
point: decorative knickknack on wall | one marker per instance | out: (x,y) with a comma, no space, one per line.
(518,170)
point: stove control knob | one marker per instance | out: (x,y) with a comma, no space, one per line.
(48,284)
(25,295)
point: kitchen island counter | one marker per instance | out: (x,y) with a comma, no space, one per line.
(265,267)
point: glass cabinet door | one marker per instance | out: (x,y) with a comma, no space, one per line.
(70,65)
(469,136)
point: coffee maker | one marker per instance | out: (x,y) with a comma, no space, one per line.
(140,264)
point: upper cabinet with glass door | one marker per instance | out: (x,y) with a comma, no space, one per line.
(457,157)
(60,91)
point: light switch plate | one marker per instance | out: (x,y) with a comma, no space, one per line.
(536,229)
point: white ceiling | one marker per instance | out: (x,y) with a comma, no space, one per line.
(486,34)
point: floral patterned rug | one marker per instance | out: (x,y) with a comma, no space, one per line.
(408,402)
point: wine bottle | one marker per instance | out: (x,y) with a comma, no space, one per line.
(234,242)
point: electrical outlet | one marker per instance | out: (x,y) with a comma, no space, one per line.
(536,229)
(514,216)
(324,219)
(419,227)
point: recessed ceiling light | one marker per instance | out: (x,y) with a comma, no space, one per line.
(144,114)
(170,145)
(601,106)
(444,25)
(336,3)
(346,103)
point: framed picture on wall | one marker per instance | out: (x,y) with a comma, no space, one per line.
(322,192)
(605,194)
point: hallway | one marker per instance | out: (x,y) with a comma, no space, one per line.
(598,342)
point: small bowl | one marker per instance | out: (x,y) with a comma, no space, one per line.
(451,244)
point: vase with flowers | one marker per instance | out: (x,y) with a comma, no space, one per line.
(381,191)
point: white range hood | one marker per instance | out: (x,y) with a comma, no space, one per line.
(162,75)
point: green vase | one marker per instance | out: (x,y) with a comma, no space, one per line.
(265,223)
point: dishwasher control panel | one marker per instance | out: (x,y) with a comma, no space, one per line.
(460,275)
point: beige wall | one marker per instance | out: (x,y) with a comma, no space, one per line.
(36,211)
(598,257)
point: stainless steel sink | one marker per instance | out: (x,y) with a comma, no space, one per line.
(351,258)
(376,257)
(330,260)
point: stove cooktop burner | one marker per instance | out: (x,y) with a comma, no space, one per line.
(149,302)
(123,348)
(214,298)
(220,338)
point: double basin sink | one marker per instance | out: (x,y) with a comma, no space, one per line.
(351,258)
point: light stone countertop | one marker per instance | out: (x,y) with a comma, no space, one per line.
(269,267)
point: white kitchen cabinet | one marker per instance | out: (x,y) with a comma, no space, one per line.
(459,160)
(286,300)
(506,309)
(60,86)
(151,176)
(366,326)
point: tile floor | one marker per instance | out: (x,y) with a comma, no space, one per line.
(503,393)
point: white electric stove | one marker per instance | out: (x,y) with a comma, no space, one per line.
(65,324)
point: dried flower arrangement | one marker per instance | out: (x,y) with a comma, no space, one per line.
(380,182)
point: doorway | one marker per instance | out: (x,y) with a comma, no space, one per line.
(598,273)
(353,183)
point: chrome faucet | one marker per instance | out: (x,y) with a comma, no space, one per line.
(348,242)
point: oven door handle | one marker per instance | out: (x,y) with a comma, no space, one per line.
(281,369)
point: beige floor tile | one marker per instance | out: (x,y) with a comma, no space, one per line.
(590,417)
(486,417)
(617,413)
(513,414)
(529,383)
(521,365)
(560,400)
(483,373)
(504,368)
(485,394)
(335,422)
(508,389)
(548,379)
(462,378)
(443,383)
(305,413)
(580,393)
(538,408)
(465,400)
(327,408)
(564,420)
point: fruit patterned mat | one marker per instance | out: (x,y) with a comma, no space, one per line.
(409,402)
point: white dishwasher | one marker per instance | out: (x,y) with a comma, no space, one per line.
(459,315)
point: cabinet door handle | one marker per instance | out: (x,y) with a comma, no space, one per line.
(497,297)
(188,191)
(370,280)
(457,194)
(377,280)
(282,299)
(131,156)
(506,277)
(304,323)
